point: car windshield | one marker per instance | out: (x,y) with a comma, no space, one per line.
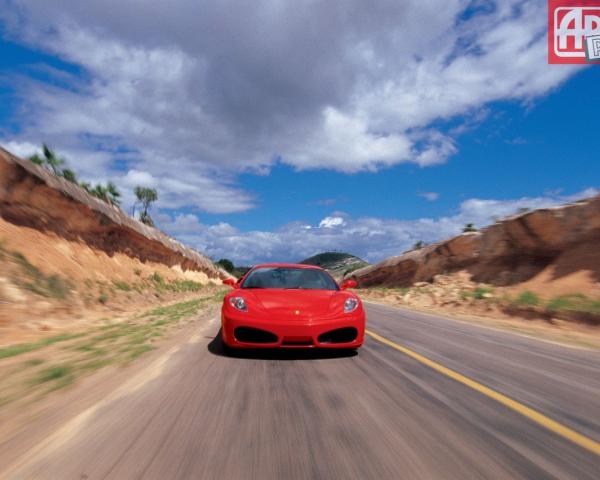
(289,278)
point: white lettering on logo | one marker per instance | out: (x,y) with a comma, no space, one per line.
(576,24)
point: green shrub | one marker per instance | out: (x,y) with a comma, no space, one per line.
(226,265)
(419,245)
(53,373)
(481,292)
(122,286)
(183,286)
(29,269)
(53,286)
(559,303)
(528,299)
(574,303)
(155,277)
(103,298)
(34,362)
(57,287)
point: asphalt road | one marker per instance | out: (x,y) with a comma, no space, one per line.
(194,413)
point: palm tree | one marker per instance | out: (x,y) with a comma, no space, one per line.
(35,158)
(100,192)
(146,196)
(49,160)
(69,175)
(52,160)
(112,193)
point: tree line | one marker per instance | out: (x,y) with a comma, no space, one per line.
(108,192)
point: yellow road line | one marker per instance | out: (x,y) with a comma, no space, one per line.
(552,425)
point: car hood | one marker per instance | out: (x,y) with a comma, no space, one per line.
(300,304)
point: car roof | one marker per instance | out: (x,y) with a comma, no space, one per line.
(286,265)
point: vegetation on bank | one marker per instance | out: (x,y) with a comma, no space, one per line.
(226,265)
(229,267)
(574,306)
(22,273)
(28,277)
(145,197)
(108,193)
(58,361)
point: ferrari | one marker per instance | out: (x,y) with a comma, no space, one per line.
(291,306)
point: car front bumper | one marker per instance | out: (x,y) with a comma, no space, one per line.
(244,331)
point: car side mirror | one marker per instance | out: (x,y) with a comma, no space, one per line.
(348,284)
(231,282)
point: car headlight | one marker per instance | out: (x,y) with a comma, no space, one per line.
(350,305)
(239,303)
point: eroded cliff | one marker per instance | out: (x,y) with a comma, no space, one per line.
(551,251)
(31,196)
(65,254)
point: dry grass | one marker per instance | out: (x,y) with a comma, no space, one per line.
(31,370)
(572,319)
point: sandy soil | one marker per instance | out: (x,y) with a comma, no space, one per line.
(39,382)
(576,271)
(49,284)
(458,297)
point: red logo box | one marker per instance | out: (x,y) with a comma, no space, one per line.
(570,22)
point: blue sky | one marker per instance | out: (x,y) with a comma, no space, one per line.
(517,151)
(364,134)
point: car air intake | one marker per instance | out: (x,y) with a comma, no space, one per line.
(340,335)
(254,335)
(296,342)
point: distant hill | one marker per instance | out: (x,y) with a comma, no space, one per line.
(336,263)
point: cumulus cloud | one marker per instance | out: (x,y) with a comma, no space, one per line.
(215,88)
(368,237)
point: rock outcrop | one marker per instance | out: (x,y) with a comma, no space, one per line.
(30,196)
(512,251)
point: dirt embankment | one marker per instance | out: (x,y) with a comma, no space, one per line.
(66,256)
(544,262)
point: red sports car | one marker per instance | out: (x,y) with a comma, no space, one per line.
(291,306)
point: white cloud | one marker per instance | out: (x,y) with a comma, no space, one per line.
(215,89)
(437,149)
(136,177)
(431,196)
(21,149)
(368,237)
(331,222)
(344,143)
